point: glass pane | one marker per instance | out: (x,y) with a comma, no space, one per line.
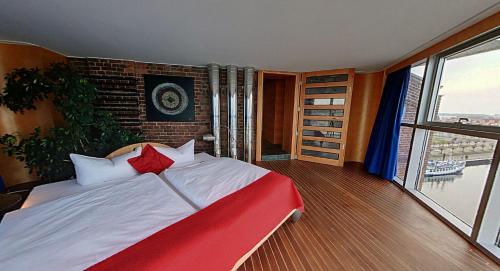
(455,168)
(413,94)
(322,144)
(324,112)
(489,233)
(327,155)
(331,101)
(321,134)
(327,78)
(469,89)
(404,145)
(323,123)
(326,90)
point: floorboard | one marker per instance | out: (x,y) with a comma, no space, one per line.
(354,221)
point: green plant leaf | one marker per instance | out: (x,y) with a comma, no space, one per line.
(85,130)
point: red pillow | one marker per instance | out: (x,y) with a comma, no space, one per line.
(150,160)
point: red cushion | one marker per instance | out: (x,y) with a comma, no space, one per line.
(150,160)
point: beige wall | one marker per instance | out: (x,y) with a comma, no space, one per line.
(16,56)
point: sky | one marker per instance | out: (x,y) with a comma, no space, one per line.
(470,84)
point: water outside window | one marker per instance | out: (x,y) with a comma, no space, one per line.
(454,172)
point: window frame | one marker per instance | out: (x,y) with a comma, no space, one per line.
(435,73)
(421,126)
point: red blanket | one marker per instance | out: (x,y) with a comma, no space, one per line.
(216,237)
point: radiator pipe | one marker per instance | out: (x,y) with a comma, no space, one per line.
(213,75)
(248,135)
(232,107)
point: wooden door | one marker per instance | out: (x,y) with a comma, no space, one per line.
(325,101)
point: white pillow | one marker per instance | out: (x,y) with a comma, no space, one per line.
(181,155)
(121,161)
(92,170)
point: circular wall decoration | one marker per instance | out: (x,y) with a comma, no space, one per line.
(170,98)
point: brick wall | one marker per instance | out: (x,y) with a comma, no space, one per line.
(116,79)
(411,104)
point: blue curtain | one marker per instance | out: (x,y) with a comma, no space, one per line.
(382,153)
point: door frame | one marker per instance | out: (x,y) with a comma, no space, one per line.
(260,110)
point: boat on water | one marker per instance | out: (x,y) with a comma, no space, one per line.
(447,167)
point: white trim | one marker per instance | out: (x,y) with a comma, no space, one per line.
(398,180)
(462,226)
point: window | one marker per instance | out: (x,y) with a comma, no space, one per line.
(454,171)
(450,132)
(413,93)
(467,86)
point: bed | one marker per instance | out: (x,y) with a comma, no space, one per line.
(214,210)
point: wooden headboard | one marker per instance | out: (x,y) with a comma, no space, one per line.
(131,147)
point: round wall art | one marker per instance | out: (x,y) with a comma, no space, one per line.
(169,98)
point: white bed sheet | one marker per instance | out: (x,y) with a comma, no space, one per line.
(211,179)
(82,228)
(52,191)
(47,192)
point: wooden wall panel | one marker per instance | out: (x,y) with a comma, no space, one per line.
(278,111)
(279,105)
(16,56)
(288,114)
(366,94)
(268,111)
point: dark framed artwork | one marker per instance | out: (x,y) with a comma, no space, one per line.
(169,98)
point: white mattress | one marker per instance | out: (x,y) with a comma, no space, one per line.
(211,179)
(65,227)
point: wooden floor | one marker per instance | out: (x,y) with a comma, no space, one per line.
(354,221)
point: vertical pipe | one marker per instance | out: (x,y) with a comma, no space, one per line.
(232,110)
(213,75)
(249,72)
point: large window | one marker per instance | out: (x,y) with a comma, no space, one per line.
(468,86)
(448,147)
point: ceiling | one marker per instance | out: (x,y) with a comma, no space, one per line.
(292,35)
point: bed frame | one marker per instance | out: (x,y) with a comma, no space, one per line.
(294,214)
(132,147)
